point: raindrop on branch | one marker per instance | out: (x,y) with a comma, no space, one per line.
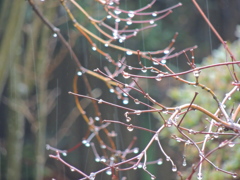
(130,128)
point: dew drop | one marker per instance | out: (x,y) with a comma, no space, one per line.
(79,73)
(231,144)
(84,141)
(94,48)
(97,159)
(138,112)
(55,35)
(92,176)
(154,14)
(130,67)
(199,176)
(129,22)
(100,101)
(125,75)
(140,166)
(215,135)
(97,118)
(64,153)
(129,53)
(117,11)
(109,172)
(111,90)
(167,158)
(109,16)
(72,169)
(184,162)
(144,70)
(159,77)
(159,162)
(117,20)
(153,177)
(135,150)
(103,146)
(151,21)
(131,14)
(163,61)
(106,45)
(234,175)
(166,51)
(128,119)
(174,168)
(130,128)
(125,101)
(229,98)
(196,73)
(136,101)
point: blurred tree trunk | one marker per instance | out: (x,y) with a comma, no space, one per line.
(12,18)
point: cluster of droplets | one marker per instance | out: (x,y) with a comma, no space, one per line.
(86,143)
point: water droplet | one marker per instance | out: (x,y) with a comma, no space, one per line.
(130,67)
(92,176)
(64,153)
(154,14)
(84,141)
(79,73)
(129,22)
(231,144)
(184,162)
(111,90)
(166,51)
(159,77)
(94,48)
(167,158)
(129,53)
(174,168)
(153,177)
(106,45)
(109,172)
(103,159)
(138,112)
(135,150)
(117,11)
(144,70)
(117,20)
(190,131)
(151,21)
(128,119)
(131,14)
(72,169)
(196,73)
(215,135)
(125,101)
(125,75)
(163,61)
(47,147)
(100,101)
(234,175)
(136,101)
(103,146)
(55,35)
(87,144)
(97,118)
(97,159)
(159,162)
(130,128)
(229,98)
(140,166)
(109,16)
(199,176)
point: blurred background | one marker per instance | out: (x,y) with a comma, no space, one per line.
(37,71)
